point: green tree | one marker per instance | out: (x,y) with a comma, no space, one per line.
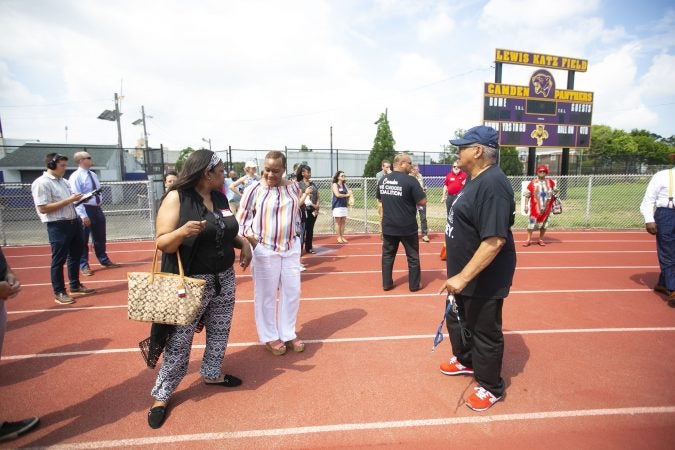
(182,157)
(383,147)
(510,162)
(449,154)
(304,148)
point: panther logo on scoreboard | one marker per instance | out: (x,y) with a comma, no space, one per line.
(542,84)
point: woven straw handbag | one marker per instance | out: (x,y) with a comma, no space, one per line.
(164,297)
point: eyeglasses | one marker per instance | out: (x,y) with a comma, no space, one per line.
(455,167)
(467,147)
(87,157)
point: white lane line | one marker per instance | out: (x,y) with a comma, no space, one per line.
(368,426)
(356,297)
(348,340)
(333,255)
(357,272)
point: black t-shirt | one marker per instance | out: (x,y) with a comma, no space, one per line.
(399,194)
(212,250)
(483,209)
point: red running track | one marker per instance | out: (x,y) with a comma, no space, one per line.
(588,361)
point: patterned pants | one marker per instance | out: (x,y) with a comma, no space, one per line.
(216,312)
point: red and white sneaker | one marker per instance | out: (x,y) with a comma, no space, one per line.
(481,399)
(455,368)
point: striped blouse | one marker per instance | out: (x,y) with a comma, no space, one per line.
(271,214)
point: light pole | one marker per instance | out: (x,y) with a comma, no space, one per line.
(146,150)
(114,116)
(207,141)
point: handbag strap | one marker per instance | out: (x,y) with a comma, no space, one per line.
(154,266)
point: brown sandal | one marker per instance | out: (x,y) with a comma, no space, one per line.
(276,347)
(296,345)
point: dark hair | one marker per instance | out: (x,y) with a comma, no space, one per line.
(51,159)
(192,171)
(276,154)
(337,175)
(170,172)
(298,172)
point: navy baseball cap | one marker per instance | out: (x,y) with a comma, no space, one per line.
(478,135)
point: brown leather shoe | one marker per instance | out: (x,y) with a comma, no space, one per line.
(111,265)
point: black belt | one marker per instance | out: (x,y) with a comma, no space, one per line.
(92,206)
(70,221)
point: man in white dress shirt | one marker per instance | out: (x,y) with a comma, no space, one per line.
(84,180)
(658,210)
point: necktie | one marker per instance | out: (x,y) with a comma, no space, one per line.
(93,187)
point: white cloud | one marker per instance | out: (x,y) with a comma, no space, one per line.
(267,74)
(535,13)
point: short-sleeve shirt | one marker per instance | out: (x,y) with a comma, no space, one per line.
(50,189)
(455,182)
(399,194)
(483,209)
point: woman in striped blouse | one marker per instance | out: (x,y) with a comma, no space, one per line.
(269,217)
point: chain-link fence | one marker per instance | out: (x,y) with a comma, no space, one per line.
(589,202)
(128,207)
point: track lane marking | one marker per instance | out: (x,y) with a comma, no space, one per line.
(355,297)
(347,340)
(368,426)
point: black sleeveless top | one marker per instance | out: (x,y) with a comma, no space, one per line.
(212,251)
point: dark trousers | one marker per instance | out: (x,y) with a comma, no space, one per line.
(484,348)
(98,236)
(665,245)
(310,220)
(65,238)
(412,251)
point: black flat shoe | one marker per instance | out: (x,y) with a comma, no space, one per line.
(228,381)
(156,416)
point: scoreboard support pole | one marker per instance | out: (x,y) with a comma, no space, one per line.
(565,157)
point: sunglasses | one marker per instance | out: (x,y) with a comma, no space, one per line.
(86,157)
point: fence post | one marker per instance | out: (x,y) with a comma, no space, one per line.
(365,203)
(588,201)
(151,206)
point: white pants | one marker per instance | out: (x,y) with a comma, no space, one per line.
(276,271)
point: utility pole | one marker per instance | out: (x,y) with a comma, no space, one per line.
(146,155)
(119,136)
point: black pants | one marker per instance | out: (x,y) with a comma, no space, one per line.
(310,220)
(412,251)
(484,348)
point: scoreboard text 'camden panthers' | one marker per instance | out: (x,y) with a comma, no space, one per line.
(539,115)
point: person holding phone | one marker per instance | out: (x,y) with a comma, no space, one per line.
(90,211)
(194,217)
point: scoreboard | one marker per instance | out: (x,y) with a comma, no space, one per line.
(536,116)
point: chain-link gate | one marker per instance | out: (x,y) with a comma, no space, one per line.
(589,202)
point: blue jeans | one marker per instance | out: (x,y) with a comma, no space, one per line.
(665,245)
(98,236)
(65,237)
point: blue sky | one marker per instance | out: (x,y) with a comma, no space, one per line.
(264,74)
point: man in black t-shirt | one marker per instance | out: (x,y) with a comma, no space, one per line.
(400,195)
(480,264)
